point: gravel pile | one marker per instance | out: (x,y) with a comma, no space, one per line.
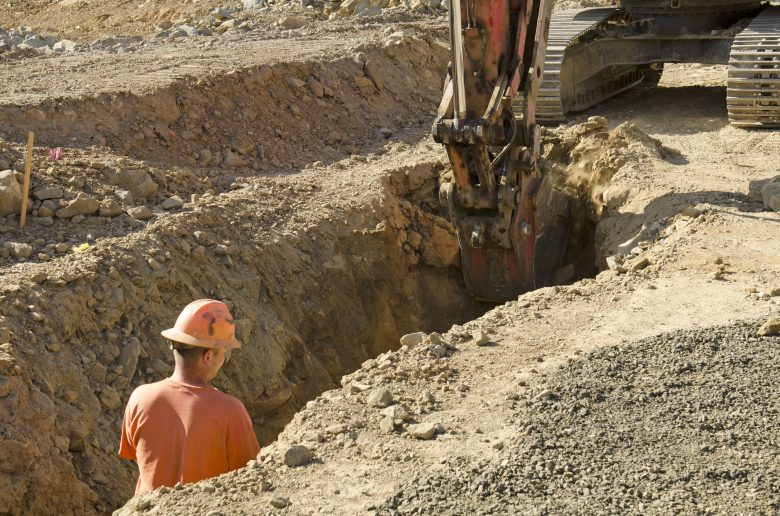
(684,422)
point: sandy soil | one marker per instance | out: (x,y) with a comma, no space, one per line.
(305,195)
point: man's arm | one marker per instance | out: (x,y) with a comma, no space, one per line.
(126,440)
(242,445)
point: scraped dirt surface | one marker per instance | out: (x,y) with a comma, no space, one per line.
(290,173)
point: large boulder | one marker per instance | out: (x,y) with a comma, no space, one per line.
(10,193)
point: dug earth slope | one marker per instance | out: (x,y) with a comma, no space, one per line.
(323,268)
(682,245)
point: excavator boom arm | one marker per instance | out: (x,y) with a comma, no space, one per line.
(498,49)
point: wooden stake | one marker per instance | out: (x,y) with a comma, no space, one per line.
(27,169)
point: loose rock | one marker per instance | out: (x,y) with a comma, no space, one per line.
(423,431)
(297,455)
(380,397)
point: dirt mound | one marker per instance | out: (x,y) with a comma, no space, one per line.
(254,118)
(584,158)
(681,422)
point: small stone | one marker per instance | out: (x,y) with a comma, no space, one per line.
(20,250)
(293,22)
(413,339)
(204,157)
(316,88)
(110,398)
(140,213)
(203,238)
(387,425)
(10,193)
(361,81)
(233,160)
(480,337)
(639,264)
(81,205)
(380,397)
(397,412)
(691,212)
(172,203)
(357,387)
(769,328)
(423,431)
(279,502)
(375,72)
(439,351)
(243,145)
(297,455)
(64,45)
(137,181)
(614,264)
(498,446)
(61,248)
(221,13)
(143,505)
(385,132)
(125,196)
(109,208)
(54,192)
(434,338)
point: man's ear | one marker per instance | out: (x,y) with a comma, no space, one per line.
(207,356)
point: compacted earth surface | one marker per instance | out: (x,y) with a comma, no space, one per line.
(277,156)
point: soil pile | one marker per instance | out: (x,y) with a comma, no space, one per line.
(584,158)
(682,422)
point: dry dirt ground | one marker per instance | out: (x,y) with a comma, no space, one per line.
(290,173)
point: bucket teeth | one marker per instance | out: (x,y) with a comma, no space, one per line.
(753,96)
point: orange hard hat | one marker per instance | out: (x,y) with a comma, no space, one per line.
(204,323)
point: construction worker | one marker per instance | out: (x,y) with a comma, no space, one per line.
(181,429)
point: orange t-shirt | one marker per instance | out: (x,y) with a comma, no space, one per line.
(184,433)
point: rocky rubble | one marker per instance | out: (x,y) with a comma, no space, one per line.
(682,422)
(83,331)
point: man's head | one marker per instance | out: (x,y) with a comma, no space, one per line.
(202,337)
(206,362)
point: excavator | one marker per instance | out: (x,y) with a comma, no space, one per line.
(514,64)
(594,54)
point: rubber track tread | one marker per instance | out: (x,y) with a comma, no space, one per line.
(565,27)
(753,97)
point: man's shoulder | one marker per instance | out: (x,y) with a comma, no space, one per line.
(148,391)
(226,400)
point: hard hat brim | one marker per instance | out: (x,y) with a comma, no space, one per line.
(183,338)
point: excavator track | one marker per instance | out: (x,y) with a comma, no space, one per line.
(753,93)
(565,28)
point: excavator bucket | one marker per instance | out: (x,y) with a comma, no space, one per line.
(512,224)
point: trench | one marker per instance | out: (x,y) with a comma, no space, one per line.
(322,269)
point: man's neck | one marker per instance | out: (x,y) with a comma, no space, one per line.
(189,377)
